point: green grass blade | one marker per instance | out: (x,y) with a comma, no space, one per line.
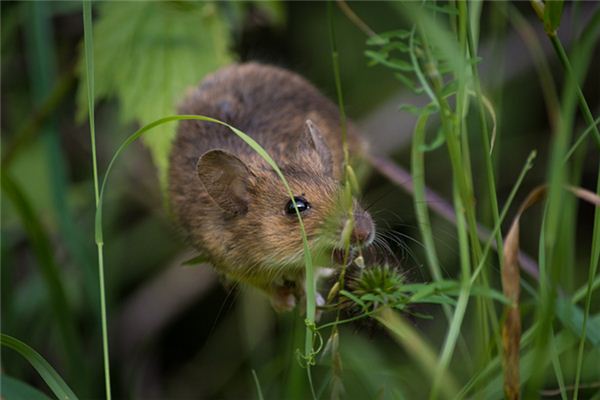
(13,389)
(257,384)
(44,253)
(417,348)
(48,374)
(593,270)
(558,372)
(528,165)
(582,291)
(420,201)
(89,65)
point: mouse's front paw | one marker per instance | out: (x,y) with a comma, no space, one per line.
(283,299)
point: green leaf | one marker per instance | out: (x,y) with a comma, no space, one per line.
(436,299)
(147,54)
(572,318)
(552,13)
(44,251)
(447,9)
(439,140)
(48,374)
(14,389)
(381,58)
(409,83)
(417,110)
(400,46)
(449,89)
(384,38)
(353,298)
(493,385)
(258,388)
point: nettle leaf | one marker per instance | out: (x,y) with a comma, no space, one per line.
(146,54)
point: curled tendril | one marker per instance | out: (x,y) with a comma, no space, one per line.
(310,358)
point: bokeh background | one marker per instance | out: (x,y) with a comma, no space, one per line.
(176,331)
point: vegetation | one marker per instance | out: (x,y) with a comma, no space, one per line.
(490,294)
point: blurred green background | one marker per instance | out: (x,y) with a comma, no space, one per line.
(175,331)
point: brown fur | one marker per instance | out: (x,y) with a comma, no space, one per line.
(248,236)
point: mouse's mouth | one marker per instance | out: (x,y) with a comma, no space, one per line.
(339,254)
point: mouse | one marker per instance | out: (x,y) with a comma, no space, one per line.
(231,206)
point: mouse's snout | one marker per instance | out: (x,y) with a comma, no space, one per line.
(364,229)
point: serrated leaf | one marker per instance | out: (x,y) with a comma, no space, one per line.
(146,55)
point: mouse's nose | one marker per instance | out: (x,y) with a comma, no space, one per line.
(364,229)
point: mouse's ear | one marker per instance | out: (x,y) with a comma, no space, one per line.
(225,178)
(318,144)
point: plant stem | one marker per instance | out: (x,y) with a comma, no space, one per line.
(89,63)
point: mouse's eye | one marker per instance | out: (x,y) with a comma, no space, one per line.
(301,203)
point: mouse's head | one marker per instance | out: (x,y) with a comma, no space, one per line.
(259,225)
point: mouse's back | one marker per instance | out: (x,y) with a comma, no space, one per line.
(268,103)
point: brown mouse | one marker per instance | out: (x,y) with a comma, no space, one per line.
(229,202)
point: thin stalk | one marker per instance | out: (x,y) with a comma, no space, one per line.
(485,140)
(583,106)
(455,325)
(338,86)
(346,176)
(594,261)
(554,223)
(587,41)
(581,293)
(89,64)
(557,369)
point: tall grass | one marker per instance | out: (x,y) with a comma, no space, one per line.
(448,55)
(439,57)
